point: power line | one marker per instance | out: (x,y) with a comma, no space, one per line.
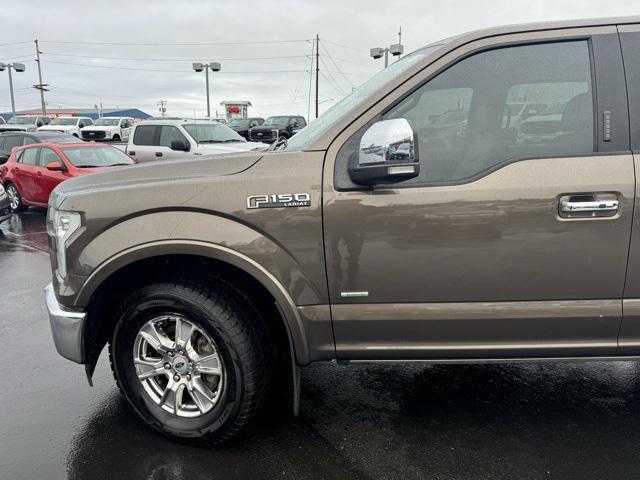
(336,65)
(143,59)
(335,85)
(15,43)
(256,42)
(344,46)
(112,67)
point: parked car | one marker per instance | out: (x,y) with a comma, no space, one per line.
(242,125)
(170,139)
(358,240)
(24,123)
(9,140)
(5,205)
(70,125)
(276,127)
(108,128)
(33,171)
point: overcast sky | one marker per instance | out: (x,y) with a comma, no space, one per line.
(279,85)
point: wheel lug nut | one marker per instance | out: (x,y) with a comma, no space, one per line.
(167,366)
(188,377)
(176,377)
(171,354)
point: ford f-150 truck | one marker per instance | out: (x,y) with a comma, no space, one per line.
(379,232)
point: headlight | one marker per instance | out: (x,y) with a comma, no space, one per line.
(60,226)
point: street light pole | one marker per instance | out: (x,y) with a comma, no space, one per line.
(396,50)
(13,101)
(206,72)
(18,67)
(214,67)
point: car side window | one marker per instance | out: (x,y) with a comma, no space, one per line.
(144,135)
(26,140)
(501,105)
(12,141)
(29,156)
(47,156)
(169,133)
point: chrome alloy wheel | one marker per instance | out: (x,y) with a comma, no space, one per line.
(13,195)
(178,365)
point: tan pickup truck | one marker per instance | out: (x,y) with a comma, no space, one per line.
(421,218)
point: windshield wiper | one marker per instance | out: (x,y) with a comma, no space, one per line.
(86,166)
(118,164)
(279,144)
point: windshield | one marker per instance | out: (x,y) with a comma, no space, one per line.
(64,121)
(239,122)
(23,120)
(212,133)
(97,157)
(276,121)
(356,98)
(107,122)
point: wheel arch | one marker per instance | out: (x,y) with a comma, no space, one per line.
(244,270)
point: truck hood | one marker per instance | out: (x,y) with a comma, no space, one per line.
(164,172)
(57,128)
(231,147)
(100,128)
(17,128)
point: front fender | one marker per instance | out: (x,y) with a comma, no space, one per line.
(201,234)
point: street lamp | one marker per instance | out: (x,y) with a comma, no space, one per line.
(396,50)
(214,67)
(18,67)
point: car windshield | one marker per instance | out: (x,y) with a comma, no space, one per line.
(276,121)
(107,122)
(83,157)
(64,121)
(22,120)
(212,133)
(360,95)
(239,122)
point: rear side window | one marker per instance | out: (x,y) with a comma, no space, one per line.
(510,103)
(29,156)
(631,51)
(145,135)
(12,141)
(169,133)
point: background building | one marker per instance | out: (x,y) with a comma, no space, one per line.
(236,109)
(83,112)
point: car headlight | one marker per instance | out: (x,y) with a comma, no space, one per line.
(60,226)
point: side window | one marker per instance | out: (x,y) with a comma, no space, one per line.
(144,135)
(301,122)
(169,133)
(47,156)
(509,103)
(29,156)
(12,141)
(26,140)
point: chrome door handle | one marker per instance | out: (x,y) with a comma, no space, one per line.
(567,206)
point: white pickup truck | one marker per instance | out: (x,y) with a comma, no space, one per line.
(70,125)
(108,128)
(170,139)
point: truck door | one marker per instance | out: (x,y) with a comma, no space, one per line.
(513,239)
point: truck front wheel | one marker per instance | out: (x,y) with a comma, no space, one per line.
(191,358)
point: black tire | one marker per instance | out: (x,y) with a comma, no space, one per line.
(243,344)
(21,207)
(115,138)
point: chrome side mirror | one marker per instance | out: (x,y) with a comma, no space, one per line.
(386,154)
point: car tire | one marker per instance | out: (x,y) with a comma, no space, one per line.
(115,138)
(15,199)
(221,314)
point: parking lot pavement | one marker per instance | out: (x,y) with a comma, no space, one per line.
(543,420)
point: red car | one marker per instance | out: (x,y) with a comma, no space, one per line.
(33,171)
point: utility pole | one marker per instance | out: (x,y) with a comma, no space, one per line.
(162,107)
(41,86)
(310,82)
(317,70)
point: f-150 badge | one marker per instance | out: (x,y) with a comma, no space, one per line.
(280,200)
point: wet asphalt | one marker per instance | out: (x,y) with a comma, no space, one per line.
(512,421)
